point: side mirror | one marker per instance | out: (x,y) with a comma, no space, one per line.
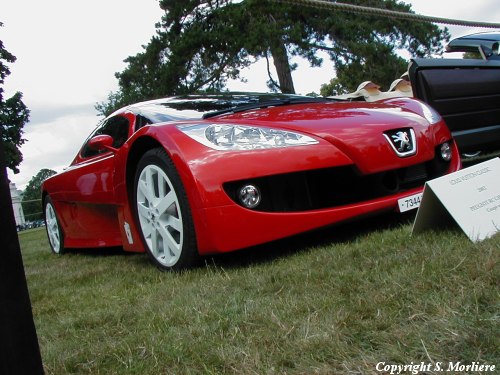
(485,52)
(102,142)
(496,48)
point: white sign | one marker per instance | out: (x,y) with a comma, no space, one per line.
(470,197)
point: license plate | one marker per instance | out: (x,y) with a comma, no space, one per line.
(410,203)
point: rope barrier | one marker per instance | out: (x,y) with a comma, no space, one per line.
(323,4)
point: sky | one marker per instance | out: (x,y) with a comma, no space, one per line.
(69,51)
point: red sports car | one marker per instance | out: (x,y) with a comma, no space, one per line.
(188,176)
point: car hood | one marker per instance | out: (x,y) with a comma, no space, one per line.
(357,129)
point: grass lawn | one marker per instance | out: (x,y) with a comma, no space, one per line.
(337,301)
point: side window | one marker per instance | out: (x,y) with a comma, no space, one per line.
(141,121)
(116,127)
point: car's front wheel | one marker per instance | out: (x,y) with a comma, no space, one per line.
(163,213)
(54,231)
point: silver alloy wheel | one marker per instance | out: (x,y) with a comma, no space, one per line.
(160,215)
(53,230)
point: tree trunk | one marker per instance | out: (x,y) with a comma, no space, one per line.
(282,65)
(19,349)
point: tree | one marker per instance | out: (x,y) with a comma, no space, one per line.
(200,44)
(32,205)
(188,53)
(13,115)
(334,87)
(19,349)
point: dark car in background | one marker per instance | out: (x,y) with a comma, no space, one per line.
(484,44)
(466,92)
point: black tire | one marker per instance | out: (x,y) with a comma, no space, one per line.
(53,227)
(162,212)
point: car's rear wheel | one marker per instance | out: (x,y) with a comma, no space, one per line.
(163,213)
(54,231)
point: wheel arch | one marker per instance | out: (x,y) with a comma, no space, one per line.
(145,143)
(126,216)
(138,148)
(43,195)
(61,236)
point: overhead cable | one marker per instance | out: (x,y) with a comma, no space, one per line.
(324,4)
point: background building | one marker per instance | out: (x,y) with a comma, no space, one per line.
(16,196)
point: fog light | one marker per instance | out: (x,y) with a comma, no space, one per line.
(446,151)
(249,196)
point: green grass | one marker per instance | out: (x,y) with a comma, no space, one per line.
(336,301)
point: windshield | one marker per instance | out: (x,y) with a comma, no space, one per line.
(210,105)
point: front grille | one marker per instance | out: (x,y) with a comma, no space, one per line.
(416,173)
(332,187)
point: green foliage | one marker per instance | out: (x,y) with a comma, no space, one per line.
(472,55)
(13,115)
(201,44)
(336,302)
(32,205)
(365,47)
(115,101)
(334,87)
(5,57)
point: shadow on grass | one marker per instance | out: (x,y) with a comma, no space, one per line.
(271,251)
(338,233)
(140,259)
(98,251)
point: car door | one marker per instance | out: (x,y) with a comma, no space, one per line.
(89,186)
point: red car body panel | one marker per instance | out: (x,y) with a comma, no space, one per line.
(93,196)
(252,229)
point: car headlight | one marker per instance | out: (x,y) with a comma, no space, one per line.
(228,137)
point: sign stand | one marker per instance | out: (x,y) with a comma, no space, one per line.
(469,198)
